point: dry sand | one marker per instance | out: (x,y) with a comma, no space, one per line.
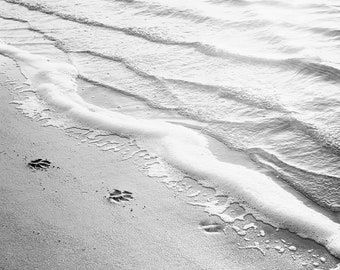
(60,219)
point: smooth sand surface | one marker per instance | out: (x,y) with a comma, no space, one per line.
(60,218)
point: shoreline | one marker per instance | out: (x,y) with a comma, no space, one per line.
(60,218)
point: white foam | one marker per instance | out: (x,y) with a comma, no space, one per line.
(292,248)
(250,225)
(181,147)
(255,246)
(336,267)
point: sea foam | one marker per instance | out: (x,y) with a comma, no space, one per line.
(182,147)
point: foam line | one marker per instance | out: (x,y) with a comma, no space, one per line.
(181,147)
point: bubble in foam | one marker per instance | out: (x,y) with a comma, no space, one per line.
(255,246)
(156,169)
(250,225)
(214,208)
(238,230)
(262,233)
(133,154)
(194,194)
(292,248)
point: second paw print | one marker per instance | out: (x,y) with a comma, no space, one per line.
(117,196)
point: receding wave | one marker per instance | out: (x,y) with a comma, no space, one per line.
(239,94)
(322,71)
(13,19)
(320,134)
(149,102)
(320,188)
(125,62)
(314,132)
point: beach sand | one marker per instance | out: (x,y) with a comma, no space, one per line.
(59,218)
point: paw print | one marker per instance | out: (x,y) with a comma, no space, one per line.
(211,227)
(118,196)
(39,164)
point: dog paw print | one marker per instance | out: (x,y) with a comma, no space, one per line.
(118,196)
(39,164)
(211,227)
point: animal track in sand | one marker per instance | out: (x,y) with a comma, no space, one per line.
(39,164)
(117,196)
(211,227)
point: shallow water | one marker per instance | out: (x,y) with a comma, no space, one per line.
(260,76)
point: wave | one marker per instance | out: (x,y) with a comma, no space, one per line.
(124,61)
(322,71)
(13,19)
(151,103)
(239,94)
(321,135)
(320,188)
(285,125)
(325,72)
(291,121)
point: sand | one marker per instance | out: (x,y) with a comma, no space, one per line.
(59,218)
